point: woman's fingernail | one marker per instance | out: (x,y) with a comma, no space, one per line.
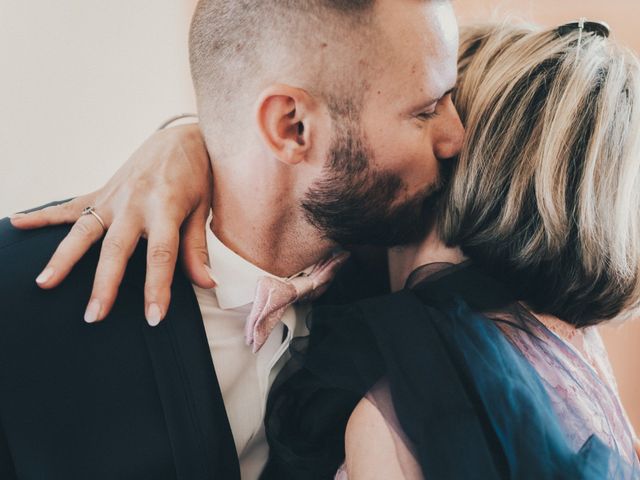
(45,276)
(15,216)
(210,272)
(93,311)
(154,314)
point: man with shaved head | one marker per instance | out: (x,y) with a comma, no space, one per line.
(328,123)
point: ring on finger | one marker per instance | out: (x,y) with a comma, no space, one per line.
(92,211)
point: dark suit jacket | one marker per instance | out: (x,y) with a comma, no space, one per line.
(115,400)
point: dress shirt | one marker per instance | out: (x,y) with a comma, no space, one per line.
(244,377)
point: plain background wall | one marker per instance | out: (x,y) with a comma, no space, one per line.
(621,15)
(83,82)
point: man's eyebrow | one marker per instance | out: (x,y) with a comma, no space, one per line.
(448,92)
(428,103)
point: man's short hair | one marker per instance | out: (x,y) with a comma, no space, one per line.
(238,47)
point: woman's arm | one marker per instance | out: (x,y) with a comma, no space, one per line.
(165,186)
(374,450)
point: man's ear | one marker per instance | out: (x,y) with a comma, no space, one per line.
(286,119)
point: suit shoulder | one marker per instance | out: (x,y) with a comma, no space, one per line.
(13,240)
(25,253)
(10,236)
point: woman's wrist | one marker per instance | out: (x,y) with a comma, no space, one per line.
(178,118)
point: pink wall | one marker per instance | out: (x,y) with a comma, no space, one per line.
(621,15)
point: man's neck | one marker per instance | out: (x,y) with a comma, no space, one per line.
(262,226)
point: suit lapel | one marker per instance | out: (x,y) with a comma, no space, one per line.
(195,415)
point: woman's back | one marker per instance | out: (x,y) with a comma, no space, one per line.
(574,368)
(465,380)
(569,384)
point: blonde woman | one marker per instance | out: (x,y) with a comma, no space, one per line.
(485,363)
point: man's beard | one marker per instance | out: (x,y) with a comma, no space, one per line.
(356,205)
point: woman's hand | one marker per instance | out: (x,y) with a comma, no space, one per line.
(164,186)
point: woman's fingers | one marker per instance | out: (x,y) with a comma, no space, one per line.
(85,232)
(67,212)
(151,194)
(162,254)
(117,247)
(193,248)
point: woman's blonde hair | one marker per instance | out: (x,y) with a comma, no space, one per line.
(546,192)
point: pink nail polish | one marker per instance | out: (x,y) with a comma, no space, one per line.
(154,315)
(45,276)
(93,311)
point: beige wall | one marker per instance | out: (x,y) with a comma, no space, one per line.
(622,342)
(621,15)
(83,82)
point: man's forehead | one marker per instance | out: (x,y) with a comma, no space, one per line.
(403,22)
(422,48)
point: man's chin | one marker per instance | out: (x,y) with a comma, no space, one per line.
(369,212)
(406,225)
(412,221)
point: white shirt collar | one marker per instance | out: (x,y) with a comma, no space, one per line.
(235,277)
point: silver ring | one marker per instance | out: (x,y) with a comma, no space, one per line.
(92,211)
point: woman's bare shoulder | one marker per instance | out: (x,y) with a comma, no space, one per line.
(371,445)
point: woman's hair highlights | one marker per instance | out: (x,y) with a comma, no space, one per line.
(546,192)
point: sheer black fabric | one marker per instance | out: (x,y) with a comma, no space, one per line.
(469,405)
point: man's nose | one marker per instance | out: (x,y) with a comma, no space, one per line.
(450,133)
